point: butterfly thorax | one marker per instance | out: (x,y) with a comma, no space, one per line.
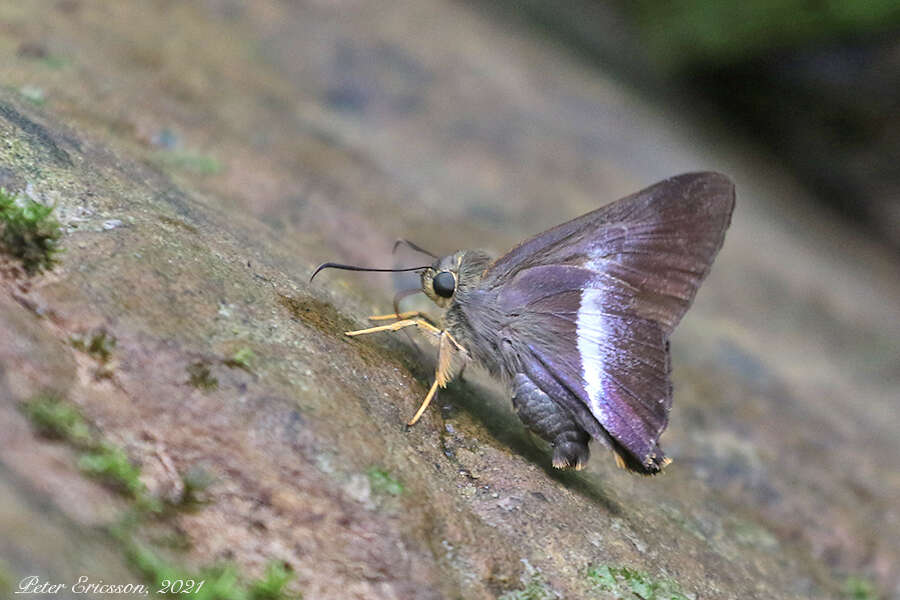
(472,317)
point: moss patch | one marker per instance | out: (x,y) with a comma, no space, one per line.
(626,583)
(213,583)
(57,418)
(241,359)
(859,588)
(383,482)
(111,464)
(271,586)
(99,345)
(29,232)
(200,376)
(533,587)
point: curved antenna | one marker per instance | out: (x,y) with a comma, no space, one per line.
(331,265)
(415,247)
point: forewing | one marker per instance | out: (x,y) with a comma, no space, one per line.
(656,246)
(594,300)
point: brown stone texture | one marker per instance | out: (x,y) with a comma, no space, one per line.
(205,156)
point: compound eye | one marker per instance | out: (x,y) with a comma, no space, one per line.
(444,284)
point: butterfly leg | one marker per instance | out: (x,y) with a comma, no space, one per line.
(551,422)
(428,398)
(395,326)
(452,360)
(404,315)
(452,357)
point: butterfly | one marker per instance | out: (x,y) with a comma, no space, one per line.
(576,320)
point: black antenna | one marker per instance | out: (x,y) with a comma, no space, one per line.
(331,265)
(415,247)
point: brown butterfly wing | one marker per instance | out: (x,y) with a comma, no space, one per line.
(594,300)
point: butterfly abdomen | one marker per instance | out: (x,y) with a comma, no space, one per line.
(546,418)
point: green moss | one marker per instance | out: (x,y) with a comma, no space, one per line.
(29,232)
(219,583)
(271,586)
(383,482)
(111,464)
(200,376)
(533,587)
(602,577)
(626,583)
(99,345)
(241,359)
(57,418)
(859,588)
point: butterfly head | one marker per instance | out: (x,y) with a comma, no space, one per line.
(453,274)
(442,281)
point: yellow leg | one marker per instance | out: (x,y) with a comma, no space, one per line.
(425,403)
(455,343)
(449,349)
(391,327)
(421,323)
(404,315)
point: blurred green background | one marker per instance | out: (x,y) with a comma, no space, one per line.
(817,82)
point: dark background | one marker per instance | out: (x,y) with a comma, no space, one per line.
(817,83)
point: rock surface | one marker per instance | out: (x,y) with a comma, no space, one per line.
(203,157)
